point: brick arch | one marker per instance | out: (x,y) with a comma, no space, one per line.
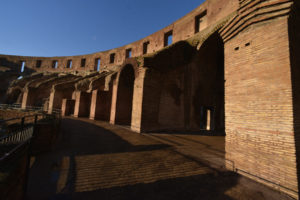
(208,90)
(125,84)
(15,95)
(132,62)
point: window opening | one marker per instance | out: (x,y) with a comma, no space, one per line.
(83,62)
(22,66)
(69,64)
(112,58)
(38,63)
(168,38)
(198,20)
(145,47)
(97,64)
(128,53)
(54,64)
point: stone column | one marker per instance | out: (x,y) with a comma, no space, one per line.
(74,95)
(51,102)
(93,104)
(63,107)
(137,101)
(114,100)
(24,99)
(77,103)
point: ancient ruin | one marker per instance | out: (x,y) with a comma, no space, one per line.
(228,68)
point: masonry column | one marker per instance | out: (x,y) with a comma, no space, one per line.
(77,103)
(51,102)
(63,107)
(114,100)
(93,104)
(137,101)
(74,95)
(24,99)
(67,107)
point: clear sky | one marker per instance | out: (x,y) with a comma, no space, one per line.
(74,27)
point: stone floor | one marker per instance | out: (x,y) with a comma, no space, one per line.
(95,160)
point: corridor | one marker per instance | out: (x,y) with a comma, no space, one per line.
(96,160)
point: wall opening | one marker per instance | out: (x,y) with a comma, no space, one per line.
(83,60)
(15,96)
(38,64)
(22,66)
(103,102)
(84,104)
(168,38)
(97,64)
(145,47)
(69,64)
(112,58)
(200,22)
(206,118)
(128,53)
(125,96)
(54,64)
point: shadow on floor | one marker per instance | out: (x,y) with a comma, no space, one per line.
(95,160)
(207,186)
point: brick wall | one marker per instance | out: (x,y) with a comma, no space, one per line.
(182,29)
(173,99)
(294,39)
(258,104)
(103,105)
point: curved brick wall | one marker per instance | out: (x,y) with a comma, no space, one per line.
(211,11)
(241,66)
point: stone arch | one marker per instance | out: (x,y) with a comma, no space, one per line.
(134,64)
(126,80)
(179,98)
(208,86)
(102,98)
(15,96)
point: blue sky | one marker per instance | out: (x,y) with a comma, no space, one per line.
(74,27)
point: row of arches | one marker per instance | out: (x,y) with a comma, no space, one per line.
(189,97)
(186,98)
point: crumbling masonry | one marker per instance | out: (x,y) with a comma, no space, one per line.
(233,69)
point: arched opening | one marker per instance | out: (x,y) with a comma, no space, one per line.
(15,96)
(103,100)
(208,87)
(187,97)
(125,96)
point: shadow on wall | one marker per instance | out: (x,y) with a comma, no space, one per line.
(16,67)
(10,71)
(91,162)
(294,41)
(125,96)
(103,103)
(15,96)
(164,88)
(208,87)
(184,89)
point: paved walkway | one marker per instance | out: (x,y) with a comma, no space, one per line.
(95,160)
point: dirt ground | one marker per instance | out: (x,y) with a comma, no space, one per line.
(96,160)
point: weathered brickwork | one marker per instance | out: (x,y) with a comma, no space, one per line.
(236,74)
(258,96)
